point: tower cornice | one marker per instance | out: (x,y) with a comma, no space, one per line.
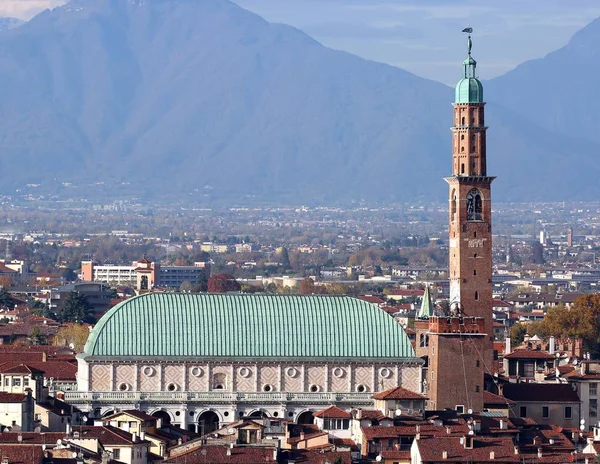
(461,180)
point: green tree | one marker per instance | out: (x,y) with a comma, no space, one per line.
(6,299)
(72,334)
(517,334)
(222,283)
(36,337)
(75,309)
(284,256)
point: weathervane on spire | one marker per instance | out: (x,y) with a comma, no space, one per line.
(469,30)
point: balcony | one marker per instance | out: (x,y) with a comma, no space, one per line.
(355,399)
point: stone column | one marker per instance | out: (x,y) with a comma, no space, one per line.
(113,377)
(208,376)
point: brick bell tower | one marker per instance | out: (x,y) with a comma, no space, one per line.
(470,205)
(458,346)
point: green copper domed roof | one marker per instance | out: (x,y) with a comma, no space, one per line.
(247,326)
(469,89)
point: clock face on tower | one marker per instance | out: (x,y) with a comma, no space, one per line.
(474,206)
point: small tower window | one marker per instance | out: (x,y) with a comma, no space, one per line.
(462,167)
(462,149)
(476,296)
(462,137)
(474,272)
(462,121)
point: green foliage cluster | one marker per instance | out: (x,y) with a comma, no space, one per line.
(75,309)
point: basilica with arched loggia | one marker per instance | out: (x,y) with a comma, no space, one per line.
(208,359)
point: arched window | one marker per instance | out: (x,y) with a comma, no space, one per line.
(474,206)
(462,121)
(453,206)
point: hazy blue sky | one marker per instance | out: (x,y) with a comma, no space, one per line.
(422,36)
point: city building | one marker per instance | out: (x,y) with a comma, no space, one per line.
(208,359)
(155,274)
(98,296)
(458,347)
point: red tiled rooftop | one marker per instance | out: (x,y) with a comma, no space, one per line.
(536,392)
(333,412)
(21,454)
(491,398)
(528,354)
(432,449)
(20,369)
(11,397)
(219,455)
(398,393)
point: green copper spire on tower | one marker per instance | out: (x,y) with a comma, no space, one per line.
(469,89)
(426,310)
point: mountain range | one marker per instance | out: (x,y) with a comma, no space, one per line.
(206,101)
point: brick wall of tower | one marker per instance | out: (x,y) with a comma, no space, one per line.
(455,373)
(469,141)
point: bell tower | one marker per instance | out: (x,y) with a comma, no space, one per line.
(470,204)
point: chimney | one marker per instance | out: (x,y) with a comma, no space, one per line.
(507,346)
(134,437)
(142,436)
(503,424)
(492,455)
(444,454)
(418,436)
(228,451)
(539,452)
(275,453)
(516,450)
(68,428)
(302,435)
(469,442)
(20,438)
(552,348)
(448,430)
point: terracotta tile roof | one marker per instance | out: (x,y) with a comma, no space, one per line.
(20,369)
(134,413)
(398,393)
(562,370)
(396,454)
(432,450)
(11,397)
(345,442)
(491,398)
(540,392)
(31,438)
(307,436)
(371,414)
(410,430)
(21,454)
(333,412)
(371,299)
(529,354)
(218,455)
(59,370)
(316,457)
(107,435)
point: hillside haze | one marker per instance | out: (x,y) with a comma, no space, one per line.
(204,98)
